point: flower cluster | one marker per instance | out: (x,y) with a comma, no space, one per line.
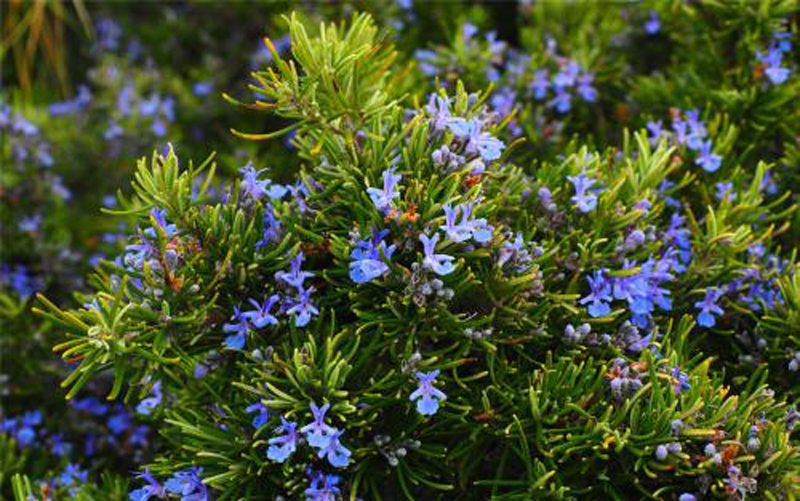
(688,130)
(186,485)
(318,435)
(772,60)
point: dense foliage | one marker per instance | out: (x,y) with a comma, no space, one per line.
(549,262)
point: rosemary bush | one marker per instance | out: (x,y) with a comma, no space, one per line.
(446,301)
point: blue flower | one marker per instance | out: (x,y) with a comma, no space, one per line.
(338,455)
(158,218)
(153,488)
(383,198)
(773,59)
(119,422)
(427,62)
(322,487)
(585,89)
(540,84)
(202,88)
(661,452)
(188,485)
(469,31)
(568,74)
(317,432)
(710,162)
(147,405)
(477,142)
(441,264)
(302,308)
(240,325)
(71,473)
(708,308)
(585,199)
(272,227)
(261,317)
(439,108)
(478,229)
(656,130)
(83,98)
(562,102)
(282,447)
(725,192)
(138,436)
(653,25)
(426,395)
(296,276)
(455,232)
(263,414)
(680,381)
(250,185)
(368,258)
(600,295)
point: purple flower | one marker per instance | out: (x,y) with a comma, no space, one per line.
(687,497)
(443,157)
(383,198)
(296,276)
(282,447)
(653,25)
(477,142)
(585,200)
(317,432)
(661,452)
(426,395)
(439,107)
(600,295)
(250,185)
(261,317)
(338,455)
(441,264)
(708,308)
(302,308)
(710,162)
